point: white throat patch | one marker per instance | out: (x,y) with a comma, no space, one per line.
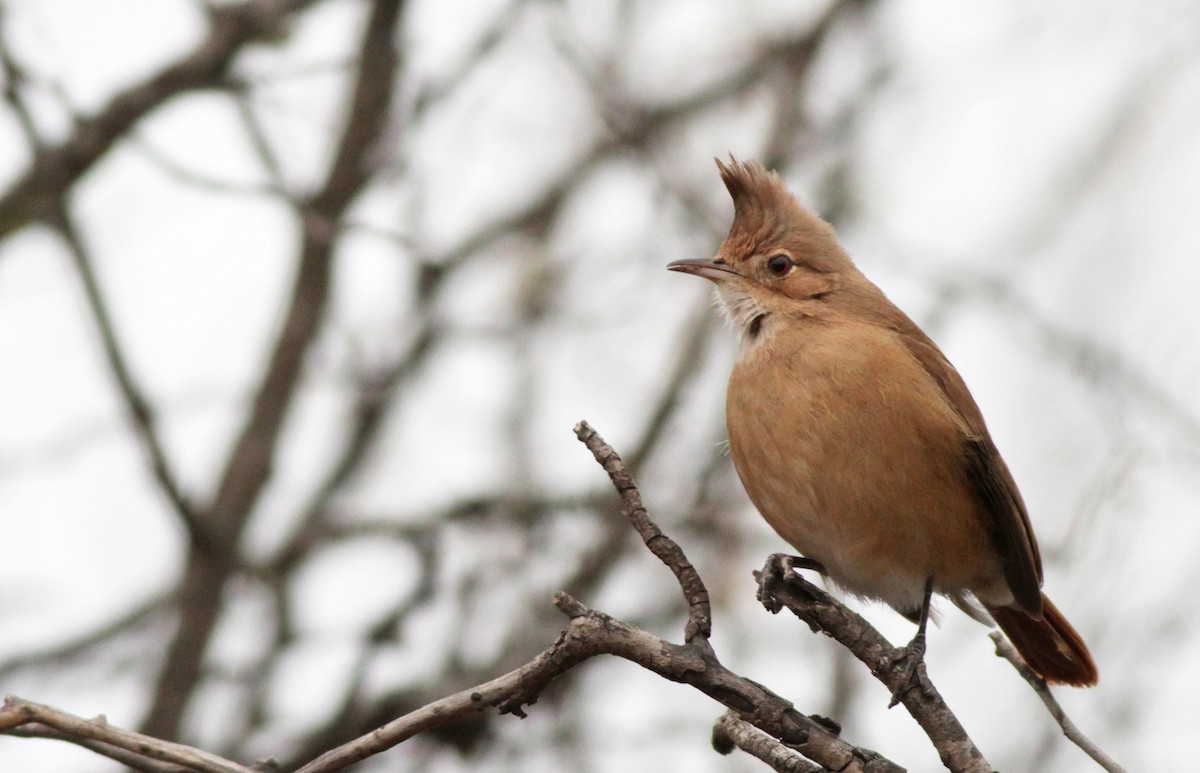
(743,313)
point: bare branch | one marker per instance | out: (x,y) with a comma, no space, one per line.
(136,403)
(825,614)
(731,732)
(249,465)
(1006,651)
(38,193)
(55,654)
(699,609)
(592,633)
(18,712)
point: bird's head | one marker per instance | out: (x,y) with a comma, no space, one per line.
(779,258)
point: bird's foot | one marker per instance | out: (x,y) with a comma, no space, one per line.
(777,570)
(910,662)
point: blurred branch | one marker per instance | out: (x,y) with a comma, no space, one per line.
(698,329)
(635,126)
(1006,651)
(38,193)
(783,587)
(485,43)
(1088,357)
(81,644)
(15,78)
(136,402)
(257,135)
(249,464)
(375,398)
(194,178)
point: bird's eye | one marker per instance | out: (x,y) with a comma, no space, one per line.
(779,264)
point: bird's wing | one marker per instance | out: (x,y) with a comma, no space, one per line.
(1011,529)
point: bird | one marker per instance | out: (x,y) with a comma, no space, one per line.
(860,444)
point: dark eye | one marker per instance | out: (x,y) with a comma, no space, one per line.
(779,264)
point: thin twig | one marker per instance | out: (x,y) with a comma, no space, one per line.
(699,608)
(1006,651)
(137,404)
(17,712)
(248,467)
(57,654)
(131,760)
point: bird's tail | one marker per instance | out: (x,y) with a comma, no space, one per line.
(1050,646)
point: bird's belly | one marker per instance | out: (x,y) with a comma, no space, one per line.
(866,476)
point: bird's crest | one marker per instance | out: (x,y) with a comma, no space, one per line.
(766,214)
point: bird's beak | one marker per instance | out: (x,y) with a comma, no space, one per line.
(717,271)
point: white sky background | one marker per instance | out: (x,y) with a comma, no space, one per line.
(1022,182)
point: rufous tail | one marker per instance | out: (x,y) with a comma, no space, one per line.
(1050,646)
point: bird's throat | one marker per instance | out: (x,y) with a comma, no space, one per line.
(744,313)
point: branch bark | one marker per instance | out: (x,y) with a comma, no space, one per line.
(758,721)
(99,736)
(825,614)
(732,732)
(592,633)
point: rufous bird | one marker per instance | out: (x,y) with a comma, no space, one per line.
(859,442)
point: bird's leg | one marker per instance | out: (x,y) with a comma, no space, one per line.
(911,658)
(777,570)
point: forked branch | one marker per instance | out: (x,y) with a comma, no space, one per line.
(758,721)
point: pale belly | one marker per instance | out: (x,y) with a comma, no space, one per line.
(856,462)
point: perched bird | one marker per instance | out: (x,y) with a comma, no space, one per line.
(857,439)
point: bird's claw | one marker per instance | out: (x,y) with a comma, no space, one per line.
(778,570)
(910,662)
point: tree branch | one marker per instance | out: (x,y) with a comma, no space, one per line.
(590,633)
(36,195)
(1006,651)
(731,732)
(138,406)
(98,735)
(783,587)
(249,465)
(699,609)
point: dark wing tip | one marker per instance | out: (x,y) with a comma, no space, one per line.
(1010,524)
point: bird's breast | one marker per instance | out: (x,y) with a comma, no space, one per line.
(851,452)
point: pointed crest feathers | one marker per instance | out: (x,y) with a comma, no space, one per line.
(766,214)
(752,185)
